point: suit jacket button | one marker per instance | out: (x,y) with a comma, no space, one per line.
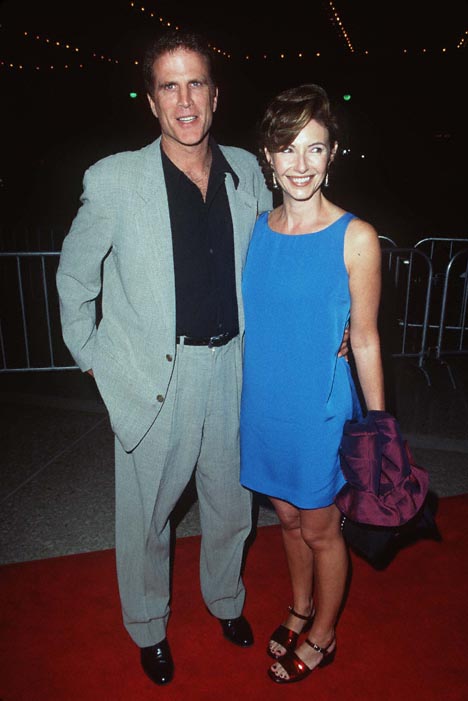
(160,398)
(169,358)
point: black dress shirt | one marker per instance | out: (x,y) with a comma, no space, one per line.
(203,246)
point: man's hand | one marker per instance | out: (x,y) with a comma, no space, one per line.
(344,349)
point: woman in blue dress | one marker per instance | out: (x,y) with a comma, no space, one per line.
(312,269)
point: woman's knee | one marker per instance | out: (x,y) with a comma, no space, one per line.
(321,536)
(317,541)
(288,515)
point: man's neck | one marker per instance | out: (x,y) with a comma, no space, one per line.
(193,161)
(196,158)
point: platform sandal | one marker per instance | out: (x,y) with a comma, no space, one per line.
(297,669)
(286,637)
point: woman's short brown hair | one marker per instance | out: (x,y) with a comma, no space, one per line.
(287,114)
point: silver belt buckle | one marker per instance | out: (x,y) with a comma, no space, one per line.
(214,339)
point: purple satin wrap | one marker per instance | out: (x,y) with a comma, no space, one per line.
(384,485)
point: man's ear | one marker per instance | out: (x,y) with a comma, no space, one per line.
(152,105)
(215,100)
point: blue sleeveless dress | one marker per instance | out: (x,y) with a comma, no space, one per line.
(296,392)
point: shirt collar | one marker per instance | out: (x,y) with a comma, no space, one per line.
(219,163)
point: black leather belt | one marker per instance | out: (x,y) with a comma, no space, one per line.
(211,342)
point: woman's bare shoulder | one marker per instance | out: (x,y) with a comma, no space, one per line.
(361,233)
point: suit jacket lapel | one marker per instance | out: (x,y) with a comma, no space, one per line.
(243,212)
(154,224)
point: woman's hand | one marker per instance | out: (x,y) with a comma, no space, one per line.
(344,347)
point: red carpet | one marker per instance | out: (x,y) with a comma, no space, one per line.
(403,633)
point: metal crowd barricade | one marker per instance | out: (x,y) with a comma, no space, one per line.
(441,250)
(406,299)
(30,330)
(387,241)
(421,316)
(453,325)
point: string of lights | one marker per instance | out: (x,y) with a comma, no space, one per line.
(248,56)
(57,65)
(153,15)
(11,65)
(334,18)
(63,45)
(463,43)
(171,25)
(339,26)
(81,59)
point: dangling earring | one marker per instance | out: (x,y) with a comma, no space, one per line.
(275,182)
(325,182)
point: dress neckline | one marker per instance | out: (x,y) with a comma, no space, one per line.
(311,233)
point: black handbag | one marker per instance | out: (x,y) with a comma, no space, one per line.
(378,545)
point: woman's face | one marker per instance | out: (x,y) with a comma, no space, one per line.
(301,168)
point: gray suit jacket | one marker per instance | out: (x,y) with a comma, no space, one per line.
(121,240)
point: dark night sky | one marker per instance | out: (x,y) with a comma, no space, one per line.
(407,112)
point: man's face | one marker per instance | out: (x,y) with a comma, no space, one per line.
(183,98)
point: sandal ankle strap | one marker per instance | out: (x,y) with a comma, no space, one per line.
(300,615)
(317,648)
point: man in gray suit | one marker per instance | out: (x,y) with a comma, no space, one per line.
(163,233)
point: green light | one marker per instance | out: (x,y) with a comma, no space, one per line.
(133,95)
(347,97)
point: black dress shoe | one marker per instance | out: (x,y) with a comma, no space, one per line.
(237,631)
(157,663)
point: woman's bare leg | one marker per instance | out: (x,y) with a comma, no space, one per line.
(320,529)
(300,564)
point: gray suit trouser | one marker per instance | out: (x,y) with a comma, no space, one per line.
(197,426)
